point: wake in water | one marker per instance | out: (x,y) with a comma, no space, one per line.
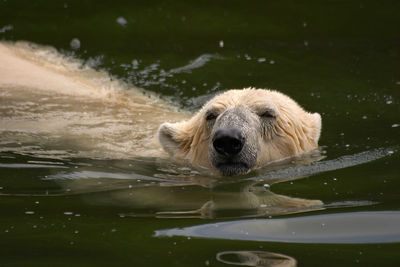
(52,107)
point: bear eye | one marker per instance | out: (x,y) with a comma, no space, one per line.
(211,116)
(267,114)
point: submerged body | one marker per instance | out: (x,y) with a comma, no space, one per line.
(55,107)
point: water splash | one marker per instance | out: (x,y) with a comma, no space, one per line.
(153,75)
(195,64)
(6,28)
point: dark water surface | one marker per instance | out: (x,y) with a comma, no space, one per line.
(62,206)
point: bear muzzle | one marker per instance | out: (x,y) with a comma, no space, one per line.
(232,147)
(229,152)
(228,142)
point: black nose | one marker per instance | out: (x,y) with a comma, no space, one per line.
(228,142)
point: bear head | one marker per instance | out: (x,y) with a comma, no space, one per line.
(240,130)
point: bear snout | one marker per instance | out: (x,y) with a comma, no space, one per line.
(228,141)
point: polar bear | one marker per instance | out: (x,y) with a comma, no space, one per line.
(240,130)
(74,111)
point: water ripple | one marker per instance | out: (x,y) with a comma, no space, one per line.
(339,228)
(328,165)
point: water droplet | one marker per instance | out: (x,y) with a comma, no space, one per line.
(272,62)
(261,59)
(29,212)
(121,21)
(395,125)
(6,28)
(305,43)
(364,117)
(221,43)
(76,232)
(304,24)
(75,44)
(207,262)
(68,213)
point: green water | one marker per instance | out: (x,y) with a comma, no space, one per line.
(338,58)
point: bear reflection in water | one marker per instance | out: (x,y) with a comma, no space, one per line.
(184,195)
(256,258)
(48,96)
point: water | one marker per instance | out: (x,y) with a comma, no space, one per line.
(83,182)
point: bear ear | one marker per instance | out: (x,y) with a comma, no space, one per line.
(167,136)
(317,127)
